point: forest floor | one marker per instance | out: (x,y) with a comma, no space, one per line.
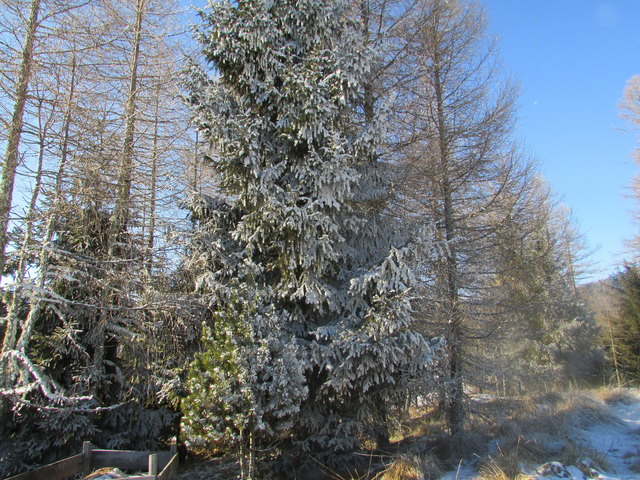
(578,435)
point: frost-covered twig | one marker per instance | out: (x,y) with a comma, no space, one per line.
(46,385)
(49,408)
(18,391)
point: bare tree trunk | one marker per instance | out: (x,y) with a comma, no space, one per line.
(461,177)
(11,340)
(121,212)
(11,332)
(455,402)
(196,180)
(152,193)
(614,353)
(66,123)
(120,217)
(12,154)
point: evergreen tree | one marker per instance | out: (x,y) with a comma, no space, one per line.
(626,324)
(309,341)
(547,335)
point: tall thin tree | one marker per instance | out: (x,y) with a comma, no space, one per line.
(12,153)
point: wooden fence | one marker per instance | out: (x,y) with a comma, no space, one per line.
(92,459)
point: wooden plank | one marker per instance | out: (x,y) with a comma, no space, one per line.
(169,472)
(54,471)
(123,459)
(126,459)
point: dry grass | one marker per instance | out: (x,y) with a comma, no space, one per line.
(493,471)
(512,454)
(420,425)
(525,432)
(574,454)
(557,414)
(412,467)
(580,411)
(538,429)
(616,395)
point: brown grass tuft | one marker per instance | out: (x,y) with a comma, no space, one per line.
(511,456)
(557,415)
(616,395)
(412,467)
(580,411)
(493,471)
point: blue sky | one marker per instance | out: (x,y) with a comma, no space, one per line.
(572,59)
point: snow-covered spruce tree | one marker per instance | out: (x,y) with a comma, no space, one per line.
(309,344)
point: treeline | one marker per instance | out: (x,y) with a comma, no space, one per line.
(96,157)
(348,228)
(616,300)
(616,303)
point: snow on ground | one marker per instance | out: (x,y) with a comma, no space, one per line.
(614,445)
(618,443)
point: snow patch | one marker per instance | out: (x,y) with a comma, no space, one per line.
(615,445)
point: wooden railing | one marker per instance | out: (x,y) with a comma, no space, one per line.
(166,463)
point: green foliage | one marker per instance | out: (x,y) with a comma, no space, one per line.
(215,410)
(242,383)
(626,323)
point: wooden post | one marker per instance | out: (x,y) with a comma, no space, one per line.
(86,458)
(153,464)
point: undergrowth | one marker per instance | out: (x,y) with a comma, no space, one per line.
(505,437)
